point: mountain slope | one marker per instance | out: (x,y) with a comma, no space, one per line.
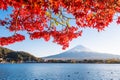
(81,52)
(9,55)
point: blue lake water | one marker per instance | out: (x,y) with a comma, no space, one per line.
(59,71)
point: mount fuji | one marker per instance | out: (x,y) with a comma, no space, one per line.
(80,52)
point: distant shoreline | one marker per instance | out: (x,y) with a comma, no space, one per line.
(59,63)
(108,61)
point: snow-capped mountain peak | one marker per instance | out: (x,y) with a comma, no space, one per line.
(80,48)
(81,52)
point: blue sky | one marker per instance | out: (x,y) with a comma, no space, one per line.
(107,41)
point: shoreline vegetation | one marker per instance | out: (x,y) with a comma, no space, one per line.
(40,60)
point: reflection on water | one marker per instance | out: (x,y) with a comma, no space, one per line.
(59,71)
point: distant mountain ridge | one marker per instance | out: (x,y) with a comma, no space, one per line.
(8,55)
(80,52)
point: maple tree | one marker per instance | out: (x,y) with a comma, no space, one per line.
(51,18)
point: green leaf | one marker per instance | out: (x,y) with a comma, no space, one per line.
(56,23)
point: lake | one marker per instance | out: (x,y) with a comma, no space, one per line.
(57,71)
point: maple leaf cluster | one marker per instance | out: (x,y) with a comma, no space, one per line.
(47,19)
